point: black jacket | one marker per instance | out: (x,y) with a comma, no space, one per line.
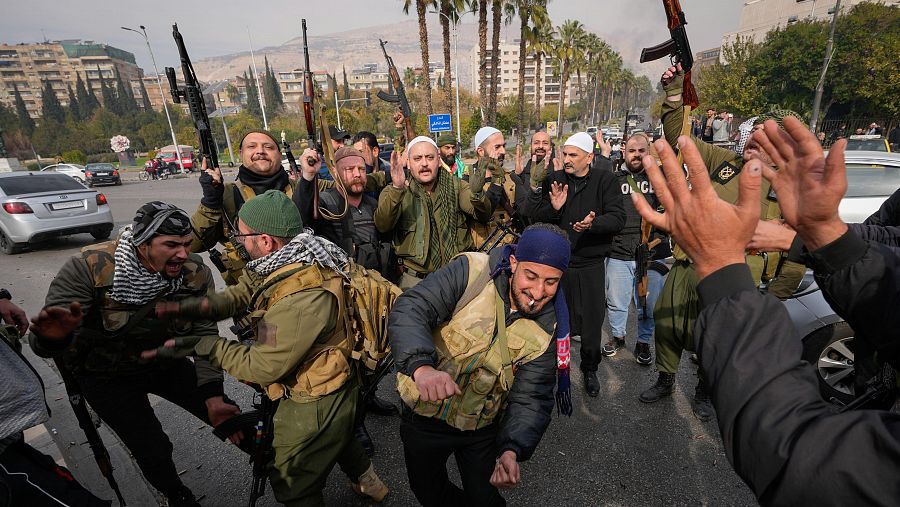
(783,440)
(625,243)
(598,192)
(431,303)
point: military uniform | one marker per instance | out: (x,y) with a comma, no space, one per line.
(678,304)
(507,382)
(414,218)
(104,356)
(307,367)
(504,210)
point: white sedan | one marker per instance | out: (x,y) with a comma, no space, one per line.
(74,170)
(872,176)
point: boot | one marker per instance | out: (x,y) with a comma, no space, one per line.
(370,485)
(702,405)
(182,497)
(663,387)
(591,384)
(378,406)
(362,435)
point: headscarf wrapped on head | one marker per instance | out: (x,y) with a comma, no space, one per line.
(744,130)
(545,246)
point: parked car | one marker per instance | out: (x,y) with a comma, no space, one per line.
(101,173)
(827,339)
(74,170)
(867,143)
(170,158)
(385,150)
(36,206)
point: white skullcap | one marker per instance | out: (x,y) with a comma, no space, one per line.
(421,139)
(582,141)
(484,133)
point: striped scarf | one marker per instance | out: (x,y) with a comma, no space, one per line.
(305,248)
(442,214)
(132,283)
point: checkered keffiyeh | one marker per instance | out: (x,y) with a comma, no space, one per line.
(305,248)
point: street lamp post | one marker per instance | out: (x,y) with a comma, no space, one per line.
(455,68)
(227,137)
(829,53)
(162,94)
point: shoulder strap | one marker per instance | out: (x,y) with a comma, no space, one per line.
(506,376)
(473,287)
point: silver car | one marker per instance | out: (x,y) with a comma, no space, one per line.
(35,206)
(827,340)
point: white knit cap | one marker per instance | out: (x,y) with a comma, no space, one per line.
(582,141)
(421,139)
(484,133)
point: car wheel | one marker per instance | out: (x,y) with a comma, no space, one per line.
(79,180)
(102,232)
(8,246)
(118,182)
(830,351)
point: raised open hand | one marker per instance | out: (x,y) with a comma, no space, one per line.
(57,322)
(398,170)
(558,195)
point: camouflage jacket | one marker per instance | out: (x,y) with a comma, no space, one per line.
(523,413)
(97,348)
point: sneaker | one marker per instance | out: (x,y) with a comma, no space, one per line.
(642,353)
(663,387)
(370,485)
(610,348)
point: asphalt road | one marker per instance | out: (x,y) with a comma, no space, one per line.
(614,450)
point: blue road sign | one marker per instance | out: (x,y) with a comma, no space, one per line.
(439,123)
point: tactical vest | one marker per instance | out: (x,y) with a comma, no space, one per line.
(114,334)
(724,180)
(468,350)
(480,231)
(326,366)
(234,196)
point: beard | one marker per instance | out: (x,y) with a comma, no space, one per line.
(522,299)
(449,160)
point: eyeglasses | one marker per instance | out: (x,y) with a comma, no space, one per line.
(249,234)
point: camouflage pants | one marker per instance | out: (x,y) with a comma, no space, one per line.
(676,310)
(309,439)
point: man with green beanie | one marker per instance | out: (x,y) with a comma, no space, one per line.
(300,353)
(450,160)
(678,304)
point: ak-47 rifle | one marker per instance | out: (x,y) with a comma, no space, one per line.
(496,237)
(309,92)
(86,422)
(679,50)
(399,97)
(193,95)
(642,264)
(292,162)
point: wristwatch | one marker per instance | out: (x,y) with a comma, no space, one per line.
(4,294)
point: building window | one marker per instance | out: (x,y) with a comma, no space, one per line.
(792,20)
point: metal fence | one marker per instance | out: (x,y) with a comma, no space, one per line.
(833,128)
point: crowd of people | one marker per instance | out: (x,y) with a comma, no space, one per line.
(500,270)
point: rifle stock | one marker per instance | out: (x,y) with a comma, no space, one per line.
(400,97)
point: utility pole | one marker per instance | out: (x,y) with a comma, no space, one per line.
(829,53)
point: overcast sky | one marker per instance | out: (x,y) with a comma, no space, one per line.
(219,27)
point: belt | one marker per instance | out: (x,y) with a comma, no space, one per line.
(412,272)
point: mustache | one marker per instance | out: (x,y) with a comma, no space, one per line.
(260,157)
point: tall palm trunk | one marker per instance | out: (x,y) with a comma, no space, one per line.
(538,85)
(497,11)
(423,42)
(445,31)
(523,30)
(564,79)
(482,59)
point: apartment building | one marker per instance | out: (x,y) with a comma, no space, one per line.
(26,66)
(509,76)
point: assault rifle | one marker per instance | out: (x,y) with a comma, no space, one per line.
(193,95)
(292,162)
(86,422)
(262,420)
(642,264)
(678,49)
(400,96)
(496,237)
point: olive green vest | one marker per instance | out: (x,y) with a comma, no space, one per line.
(108,342)
(480,231)
(468,350)
(326,366)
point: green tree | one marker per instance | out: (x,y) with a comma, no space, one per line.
(50,105)
(252,94)
(124,97)
(26,123)
(86,100)
(74,106)
(534,12)
(732,86)
(145,99)
(273,97)
(108,95)
(346,84)
(421,6)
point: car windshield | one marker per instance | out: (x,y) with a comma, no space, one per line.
(34,183)
(100,167)
(872,180)
(866,145)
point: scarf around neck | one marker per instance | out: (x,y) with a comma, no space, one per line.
(260,184)
(132,283)
(442,214)
(305,248)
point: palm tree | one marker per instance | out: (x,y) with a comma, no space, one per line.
(497,13)
(529,11)
(450,11)
(540,42)
(482,57)
(568,46)
(421,7)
